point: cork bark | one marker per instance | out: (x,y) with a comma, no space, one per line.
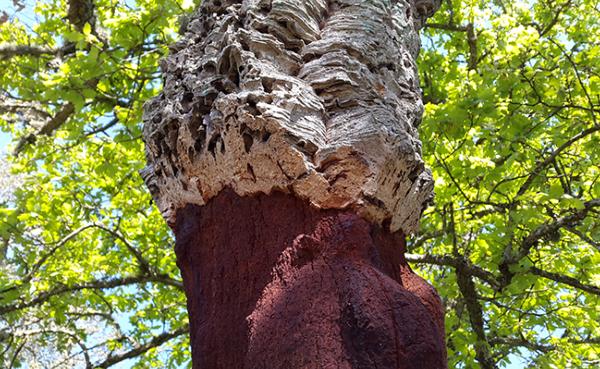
(317,98)
(303,111)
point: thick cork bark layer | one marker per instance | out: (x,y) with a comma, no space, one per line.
(317,98)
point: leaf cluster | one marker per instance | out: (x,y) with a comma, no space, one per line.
(87,270)
(511,132)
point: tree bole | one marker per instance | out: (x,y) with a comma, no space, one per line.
(273,282)
(284,153)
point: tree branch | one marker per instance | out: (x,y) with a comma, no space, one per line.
(8,51)
(560,278)
(455,262)
(143,263)
(447,27)
(521,342)
(424,238)
(140,349)
(145,268)
(583,237)
(469,29)
(110,124)
(468,290)
(9,105)
(546,229)
(95,284)
(81,12)
(47,129)
(541,232)
(541,165)
(45,257)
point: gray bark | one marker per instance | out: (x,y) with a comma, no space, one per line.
(316,98)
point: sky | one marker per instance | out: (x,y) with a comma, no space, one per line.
(4,141)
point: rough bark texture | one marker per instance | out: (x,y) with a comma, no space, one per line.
(297,287)
(317,98)
(284,153)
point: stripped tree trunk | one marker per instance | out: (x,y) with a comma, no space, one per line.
(284,154)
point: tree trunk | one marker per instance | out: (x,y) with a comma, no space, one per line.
(284,154)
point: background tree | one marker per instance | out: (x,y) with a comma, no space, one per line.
(511,126)
(88,274)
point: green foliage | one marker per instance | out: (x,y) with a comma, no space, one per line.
(87,262)
(511,133)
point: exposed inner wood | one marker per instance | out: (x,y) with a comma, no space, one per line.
(273,283)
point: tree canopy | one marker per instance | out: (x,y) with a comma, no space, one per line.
(512,242)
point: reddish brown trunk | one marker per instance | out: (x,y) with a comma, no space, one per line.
(320,98)
(274,283)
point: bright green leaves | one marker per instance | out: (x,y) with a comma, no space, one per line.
(513,144)
(85,247)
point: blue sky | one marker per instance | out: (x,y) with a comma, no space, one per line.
(4,140)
